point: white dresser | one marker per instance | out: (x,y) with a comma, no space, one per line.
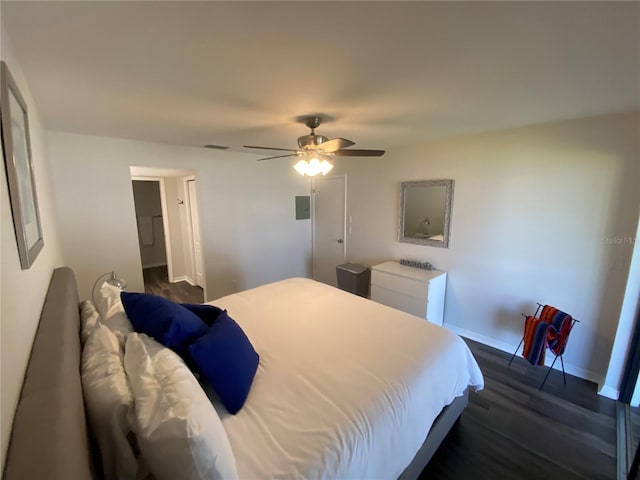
(412,290)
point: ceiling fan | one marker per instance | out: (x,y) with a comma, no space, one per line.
(316,152)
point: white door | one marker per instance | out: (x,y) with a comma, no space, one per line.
(329,222)
(195,233)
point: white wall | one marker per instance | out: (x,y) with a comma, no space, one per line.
(249,231)
(22,291)
(628,315)
(532,211)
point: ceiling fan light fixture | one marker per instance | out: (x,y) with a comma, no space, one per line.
(325,167)
(316,152)
(313,166)
(301,167)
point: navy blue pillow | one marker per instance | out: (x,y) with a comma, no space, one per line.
(206,313)
(167,322)
(228,361)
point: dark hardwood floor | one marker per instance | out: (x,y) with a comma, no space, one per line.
(156,282)
(512,430)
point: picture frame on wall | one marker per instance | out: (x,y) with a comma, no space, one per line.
(16,145)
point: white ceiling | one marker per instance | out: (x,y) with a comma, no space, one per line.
(389,73)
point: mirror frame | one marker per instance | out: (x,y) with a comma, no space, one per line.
(444,243)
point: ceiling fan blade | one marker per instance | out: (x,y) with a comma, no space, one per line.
(270,148)
(358,153)
(279,156)
(335,144)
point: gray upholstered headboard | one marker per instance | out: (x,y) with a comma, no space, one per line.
(49,439)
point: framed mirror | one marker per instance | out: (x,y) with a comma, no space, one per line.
(425,212)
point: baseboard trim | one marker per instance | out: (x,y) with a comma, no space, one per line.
(507,347)
(183,278)
(609,392)
(492,342)
(153,265)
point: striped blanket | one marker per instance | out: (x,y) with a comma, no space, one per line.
(551,330)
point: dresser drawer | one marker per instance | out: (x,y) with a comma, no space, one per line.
(401,301)
(415,291)
(408,286)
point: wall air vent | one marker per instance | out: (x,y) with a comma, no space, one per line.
(216,147)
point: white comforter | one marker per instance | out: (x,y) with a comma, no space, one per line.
(346,387)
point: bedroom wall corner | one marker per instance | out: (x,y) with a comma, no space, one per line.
(247,211)
(626,324)
(22,292)
(538,215)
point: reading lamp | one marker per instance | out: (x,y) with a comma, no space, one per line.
(111,279)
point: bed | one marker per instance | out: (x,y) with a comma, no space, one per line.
(334,396)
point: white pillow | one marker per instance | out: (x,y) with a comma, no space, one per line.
(179,432)
(112,312)
(89,318)
(109,403)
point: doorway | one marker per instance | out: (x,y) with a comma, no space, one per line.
(150,219)
(329,227)
(163,211)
